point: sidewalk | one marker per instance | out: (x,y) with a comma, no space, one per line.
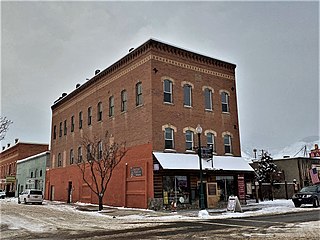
(120,211)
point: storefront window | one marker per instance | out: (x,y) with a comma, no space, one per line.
(225,187)
(177,189)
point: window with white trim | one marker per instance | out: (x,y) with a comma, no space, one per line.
(227,144)
(71,156)
(79,154)
(168,138)
(208,99)
(123,101)
(99,112)
(211,141)
(111,106)
(187,95)
(167,91)
(225,101)
(138,94)
(189,140)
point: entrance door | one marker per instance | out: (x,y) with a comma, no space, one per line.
(212,194)
(69,192)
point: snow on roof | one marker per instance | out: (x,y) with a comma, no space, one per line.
(191,162)
(34,156)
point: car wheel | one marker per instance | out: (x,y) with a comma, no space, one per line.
(19,201)
(25,201)
(297,204)
(315,202)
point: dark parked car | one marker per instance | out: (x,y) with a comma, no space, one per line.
(307,195)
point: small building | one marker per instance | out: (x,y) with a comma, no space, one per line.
(293,174)
(31,172)
(9,156)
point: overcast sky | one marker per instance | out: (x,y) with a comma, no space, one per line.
(49,47)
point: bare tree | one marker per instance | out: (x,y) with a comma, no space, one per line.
(102,157)
(4,126)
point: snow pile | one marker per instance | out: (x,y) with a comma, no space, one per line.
(203,214)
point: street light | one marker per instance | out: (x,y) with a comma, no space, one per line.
(199,131)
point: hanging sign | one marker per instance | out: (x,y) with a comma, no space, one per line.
(136,172)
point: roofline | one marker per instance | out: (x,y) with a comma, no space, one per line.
(132,55)
(34,156)
(23,143)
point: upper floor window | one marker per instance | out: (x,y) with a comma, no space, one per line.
(65,127)
(59,160)
(40,173)
(168,138)
(187,93)
(71,157)
(54,132)
(72,123)
(138,94)
(89,115)
(79,154)
(89,155)
(189,140)
(111,106)
(227,144)
(80,120)
(208,99)
(99,112)
(123,101)
(99,150)
(60,129)
(211,141)
(167,91)
(225,101)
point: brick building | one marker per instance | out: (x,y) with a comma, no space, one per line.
(153,99)
(8,162)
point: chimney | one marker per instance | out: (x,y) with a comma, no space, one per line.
(97,71)
(3,148)
(8,145)
(78,85)
(16,140)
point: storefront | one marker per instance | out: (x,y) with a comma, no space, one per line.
(176,179)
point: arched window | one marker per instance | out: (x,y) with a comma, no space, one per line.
(111,106)
(189,140)
(89,115)
(123,101)
(168,138)
(138,94)
(99,111)
(167,91)
(59,160)
(208,99)
(227,144)
(225,101)
(211,141)
(187,95)
(79,154)
(71,157)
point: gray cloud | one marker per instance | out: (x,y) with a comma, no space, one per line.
(49,47)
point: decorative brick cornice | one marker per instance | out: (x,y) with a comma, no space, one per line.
(117,67)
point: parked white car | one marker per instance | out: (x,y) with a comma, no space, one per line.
(31,196)
(2,194)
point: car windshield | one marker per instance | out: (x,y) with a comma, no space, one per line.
(309,189)
(36,192)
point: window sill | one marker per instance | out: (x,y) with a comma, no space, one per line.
(228,113)
(228,154)
(168,103)
(186,106)
(190,151)
(170,150)
(208,110)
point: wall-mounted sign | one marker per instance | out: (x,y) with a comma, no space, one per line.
(10,179)
(136,172)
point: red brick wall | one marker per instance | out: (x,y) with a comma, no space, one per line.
(123,189)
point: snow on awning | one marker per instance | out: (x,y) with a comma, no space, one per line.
(191,162)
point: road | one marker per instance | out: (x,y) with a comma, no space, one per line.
(63,222)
